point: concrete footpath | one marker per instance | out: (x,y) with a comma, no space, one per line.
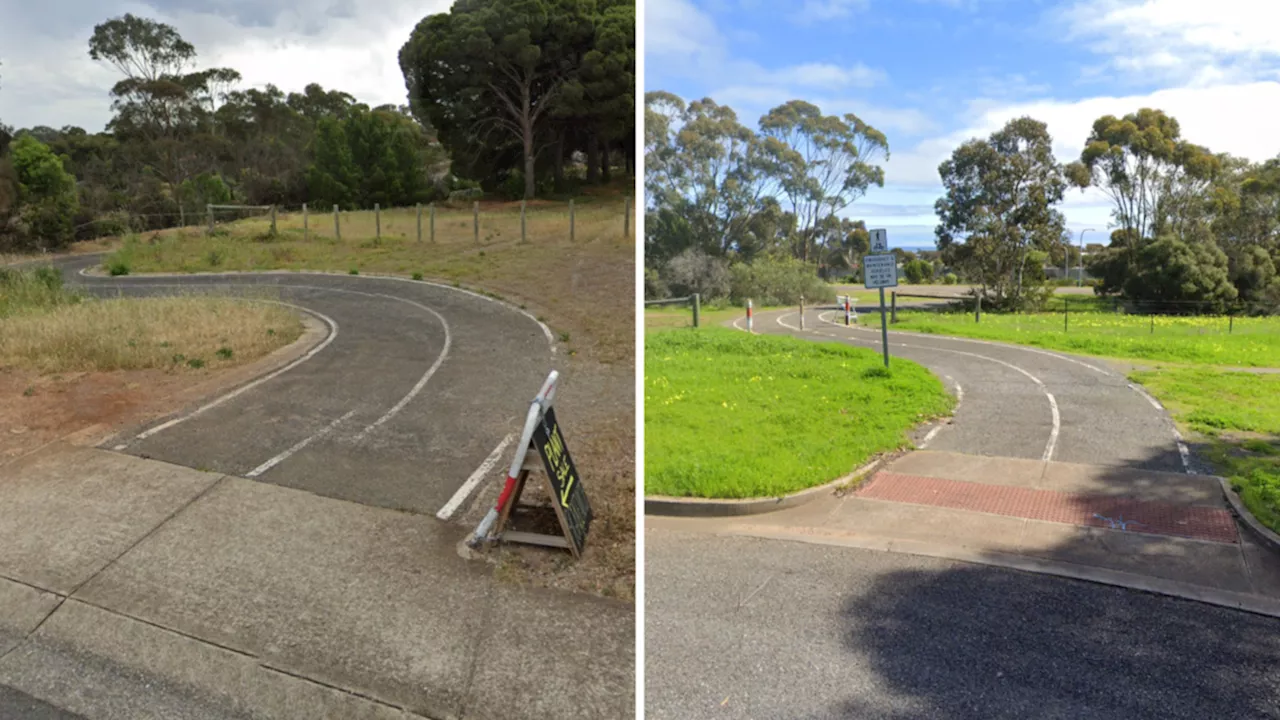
(1170,533)
(134,588)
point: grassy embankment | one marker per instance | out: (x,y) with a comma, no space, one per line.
(48,329)
(1237,415)
(728,415)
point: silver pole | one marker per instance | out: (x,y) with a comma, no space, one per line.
(1080,280)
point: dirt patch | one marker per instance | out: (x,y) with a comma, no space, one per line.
(90,407)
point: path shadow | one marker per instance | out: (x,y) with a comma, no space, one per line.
(982,642)
(976,641)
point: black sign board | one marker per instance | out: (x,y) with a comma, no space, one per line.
(568,496)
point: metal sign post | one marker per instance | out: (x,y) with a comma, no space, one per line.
(881,271)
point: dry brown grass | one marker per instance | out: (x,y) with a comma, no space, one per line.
(178,333)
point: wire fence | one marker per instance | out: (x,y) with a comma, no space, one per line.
(1098,315)
(422,223)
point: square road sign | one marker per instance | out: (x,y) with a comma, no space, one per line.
(879,240)
(880,271)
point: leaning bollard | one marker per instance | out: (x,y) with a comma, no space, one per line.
(848,312)
(802,312)
(750,326)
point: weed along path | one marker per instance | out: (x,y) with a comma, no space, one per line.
(414,388)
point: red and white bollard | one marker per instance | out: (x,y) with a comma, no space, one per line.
(750,325)
(847,311)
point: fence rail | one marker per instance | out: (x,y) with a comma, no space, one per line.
(694,300)
(120,222)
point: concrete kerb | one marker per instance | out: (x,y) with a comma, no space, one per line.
(715,507)
(94,271)
(1263,533)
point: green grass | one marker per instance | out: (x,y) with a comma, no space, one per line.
(677,316)
(1238,413)
(730,415)
(1251,342)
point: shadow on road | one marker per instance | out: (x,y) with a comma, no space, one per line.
(982,642)
(977,642)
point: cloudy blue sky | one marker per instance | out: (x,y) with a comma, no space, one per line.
(933,73)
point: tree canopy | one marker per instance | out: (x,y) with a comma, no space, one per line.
(524,78)
(183,135)
(999,200)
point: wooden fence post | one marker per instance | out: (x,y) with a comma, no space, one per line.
(306,224)
(419,222)
(697,308)
(522,233)
(337,227)
(377,223)
(626,217)
(570,219)
(209,209)
(475,219)
(433,222)
(273,219)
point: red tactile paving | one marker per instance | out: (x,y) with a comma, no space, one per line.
(1189,521)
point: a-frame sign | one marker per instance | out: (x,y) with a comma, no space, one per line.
(568,497)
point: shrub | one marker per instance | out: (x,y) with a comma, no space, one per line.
(1172,271)
(918,271)
(512,187)
(950,279)
(694,271)
(47,197)
(465,196)
(655,288)
(417,276)
(782,281)
(118,266)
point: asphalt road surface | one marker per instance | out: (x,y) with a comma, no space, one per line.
(416,387)
(750,628)
(1017,402)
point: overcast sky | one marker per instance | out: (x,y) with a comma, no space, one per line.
(47,77)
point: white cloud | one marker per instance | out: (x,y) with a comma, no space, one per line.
(1184,41)
(1236,119)
(752,101)
(817,10)
(824,75)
